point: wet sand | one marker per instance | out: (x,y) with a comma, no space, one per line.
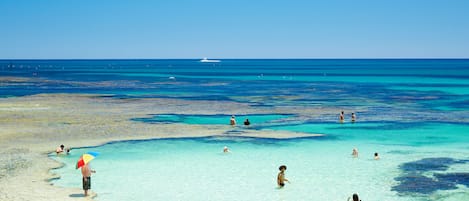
(31,127)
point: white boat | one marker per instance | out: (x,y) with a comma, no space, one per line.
(209,60)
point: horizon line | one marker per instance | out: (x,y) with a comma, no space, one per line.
(292,58)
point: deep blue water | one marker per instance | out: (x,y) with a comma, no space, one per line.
(397,94)
(430,84)
(403,93)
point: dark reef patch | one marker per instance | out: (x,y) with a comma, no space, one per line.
(427,164)
(413,180)
(459,178)
(421,184)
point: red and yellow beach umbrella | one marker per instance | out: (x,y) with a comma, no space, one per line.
(86,158)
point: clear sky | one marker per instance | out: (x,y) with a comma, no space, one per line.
(61,29)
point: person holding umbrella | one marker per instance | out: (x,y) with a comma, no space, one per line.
(86,170)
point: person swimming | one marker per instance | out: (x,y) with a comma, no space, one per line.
(376,156)
(355,152)
(354,117)
(59,149)
(226,150)
(354,197)
(246,122)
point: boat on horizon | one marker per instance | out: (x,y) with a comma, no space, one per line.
(209,60)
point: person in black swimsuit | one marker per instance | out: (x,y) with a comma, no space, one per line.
(247,123)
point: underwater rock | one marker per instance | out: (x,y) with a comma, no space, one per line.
(427,164)
(458,178)
(421,184)
(413,180)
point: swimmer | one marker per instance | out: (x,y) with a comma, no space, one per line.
(353,117)
(281,176)
(226,150)
(247,123)
(355,152)
(59,149)
(376,156)
(354,197)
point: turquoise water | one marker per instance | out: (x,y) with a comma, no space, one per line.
(256,120)
(319,168)
(414,112)
(390,133)
(196,169)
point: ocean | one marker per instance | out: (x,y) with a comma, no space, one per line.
(413,112)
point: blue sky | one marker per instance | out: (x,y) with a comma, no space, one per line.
(61,29)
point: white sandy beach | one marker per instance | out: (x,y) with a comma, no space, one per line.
(31,127)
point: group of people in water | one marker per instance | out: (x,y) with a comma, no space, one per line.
(281,179)
(85,169)
(233,121)
(342,117)
(353,118)
(355,154)
(61,149)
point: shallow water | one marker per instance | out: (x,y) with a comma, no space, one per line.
(196,169)
(256,120)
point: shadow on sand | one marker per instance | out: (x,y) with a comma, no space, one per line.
(77,195)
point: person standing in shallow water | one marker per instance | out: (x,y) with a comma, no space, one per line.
(341,117)
(233,120)
(354,117)
(355,152)
(281,176)
(86,172)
